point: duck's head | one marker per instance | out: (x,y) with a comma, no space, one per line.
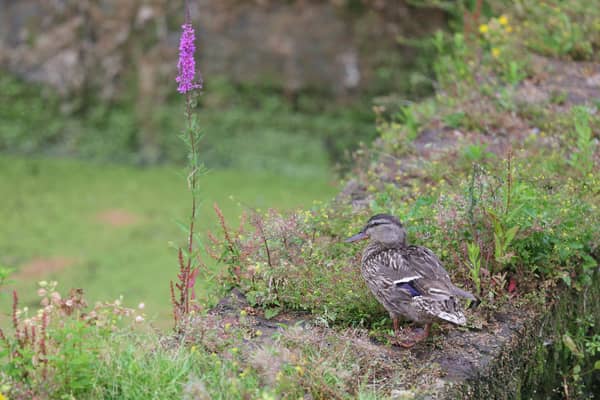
(384,229)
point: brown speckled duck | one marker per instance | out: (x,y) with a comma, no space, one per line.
(409,281)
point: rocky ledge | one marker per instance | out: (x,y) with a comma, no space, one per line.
(507,353)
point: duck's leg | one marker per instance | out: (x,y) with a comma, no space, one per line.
(416,338)
(396,325)
(396,340)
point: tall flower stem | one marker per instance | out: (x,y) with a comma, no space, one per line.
(194,170)
(186,85)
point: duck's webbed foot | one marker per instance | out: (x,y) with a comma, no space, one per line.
(410,337)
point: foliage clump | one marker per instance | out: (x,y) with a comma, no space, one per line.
(54,350)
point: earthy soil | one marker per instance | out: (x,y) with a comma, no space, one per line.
(117,218)
(40,268)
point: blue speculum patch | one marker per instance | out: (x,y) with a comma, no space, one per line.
(408,286)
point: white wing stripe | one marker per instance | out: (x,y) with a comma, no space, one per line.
(405,280)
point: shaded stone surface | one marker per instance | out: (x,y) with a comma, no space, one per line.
(113,46)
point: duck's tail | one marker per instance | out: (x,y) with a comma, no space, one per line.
(463,293)
(444,308)
(456,317)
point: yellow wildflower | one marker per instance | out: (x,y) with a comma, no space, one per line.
(508,29)
(503,20)
(2,397)
(483,28)
(495,52)
(299,370)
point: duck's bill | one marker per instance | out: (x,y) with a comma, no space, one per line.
(357,237)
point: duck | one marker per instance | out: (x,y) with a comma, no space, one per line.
(409,281)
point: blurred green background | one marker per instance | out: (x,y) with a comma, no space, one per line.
(92,171)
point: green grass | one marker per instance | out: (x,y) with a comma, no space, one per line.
(50,210)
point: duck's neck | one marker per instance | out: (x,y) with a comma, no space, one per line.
(373,248)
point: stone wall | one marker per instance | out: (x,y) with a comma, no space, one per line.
(116,47)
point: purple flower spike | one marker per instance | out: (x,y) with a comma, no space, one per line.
(187,65)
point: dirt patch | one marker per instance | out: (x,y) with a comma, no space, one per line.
(117,218)
(42,267)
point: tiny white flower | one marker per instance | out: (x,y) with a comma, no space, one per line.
(69,303)
(139,319)
(141,306)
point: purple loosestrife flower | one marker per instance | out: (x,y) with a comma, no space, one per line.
(187,65)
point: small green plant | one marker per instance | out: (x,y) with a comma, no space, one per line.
(474,264)
(476,153)
(515,73)
(582,159)
(503,238)
(451,67)
(4,274)
(454,120)
(406,116)
(398,130)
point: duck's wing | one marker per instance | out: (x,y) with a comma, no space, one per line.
(437,293)
(435,279)
(390,272)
